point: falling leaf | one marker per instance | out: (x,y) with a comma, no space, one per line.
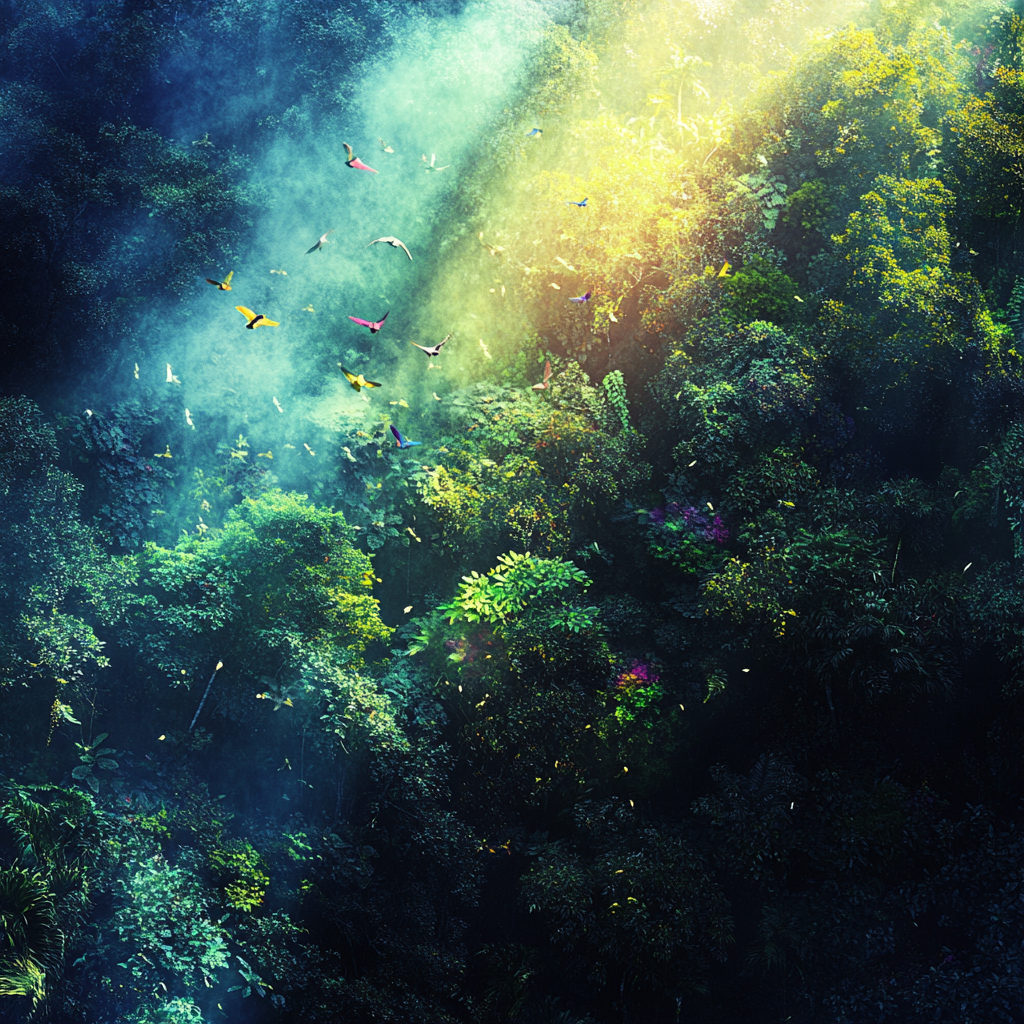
(710,506)
(569,266)
(265,455)
(283,273)
(163,455)
(136,371)
(557,287)
(486,350)
(308,449)
(308,309)
(348,453)
(188,419)
(437,397)
(692,464)
(407,609)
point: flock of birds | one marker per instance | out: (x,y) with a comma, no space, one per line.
(357,380)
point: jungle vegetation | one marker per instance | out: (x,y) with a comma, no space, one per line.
(688,688)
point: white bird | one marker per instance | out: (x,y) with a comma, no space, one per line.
(433,350)
(321,242)
(277,405)
(188,419)
(171,379)
(391,240)
(430,166)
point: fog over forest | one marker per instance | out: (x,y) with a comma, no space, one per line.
(511,511)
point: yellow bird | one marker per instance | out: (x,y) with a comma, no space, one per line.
(357,380)
(222,286)
(255,319)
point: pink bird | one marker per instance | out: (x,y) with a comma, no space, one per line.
(582,298)
(547,376)
(355,162)
(374,327)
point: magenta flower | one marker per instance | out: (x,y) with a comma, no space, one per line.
(638,674)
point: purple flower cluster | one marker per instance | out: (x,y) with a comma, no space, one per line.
(638,674)
(710,529)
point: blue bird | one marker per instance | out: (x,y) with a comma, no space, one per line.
(582,298)
(401,441)
(572,202)
(536,131)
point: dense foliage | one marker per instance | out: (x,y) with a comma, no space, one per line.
(684,686)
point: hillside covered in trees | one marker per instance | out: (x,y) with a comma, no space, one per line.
(669,668)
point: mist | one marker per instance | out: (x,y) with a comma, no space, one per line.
(669,669)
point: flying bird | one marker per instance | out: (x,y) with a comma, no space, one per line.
(255,319)
(492,249)
(433,350)
(171,378)
(358,381)
(188,419)
(136,371)
(277,405)
(401,441)
(321,242)
(582,298)
(547,376)
(534,132)
(392,241)
(354,162)
(572,202)
(374,326)
(430,166)
(225,285)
